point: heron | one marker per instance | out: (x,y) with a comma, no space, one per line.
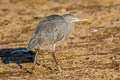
(50,32)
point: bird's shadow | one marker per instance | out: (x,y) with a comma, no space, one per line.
(18,56)
(7,56)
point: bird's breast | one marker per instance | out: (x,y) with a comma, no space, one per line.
(70,27)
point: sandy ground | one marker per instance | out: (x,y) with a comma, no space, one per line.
(91,52)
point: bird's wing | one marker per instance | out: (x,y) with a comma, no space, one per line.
(48,32)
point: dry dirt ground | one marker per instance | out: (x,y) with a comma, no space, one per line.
(91,52)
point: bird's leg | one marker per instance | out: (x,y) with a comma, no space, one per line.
(53,54)
(35,61)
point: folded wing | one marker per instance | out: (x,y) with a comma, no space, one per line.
(48,32)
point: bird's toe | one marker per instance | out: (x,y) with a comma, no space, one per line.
(59,68)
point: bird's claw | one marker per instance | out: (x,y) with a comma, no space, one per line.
(31,72)
(59,68)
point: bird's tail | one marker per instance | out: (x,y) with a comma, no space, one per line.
(32,44)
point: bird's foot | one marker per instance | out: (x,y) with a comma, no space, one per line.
(31,71)
(59,68)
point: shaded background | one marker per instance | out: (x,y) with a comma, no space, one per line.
(91,52)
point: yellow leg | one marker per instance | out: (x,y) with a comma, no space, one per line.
(53,54)
(35,61)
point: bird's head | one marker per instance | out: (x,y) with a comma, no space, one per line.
(72,18)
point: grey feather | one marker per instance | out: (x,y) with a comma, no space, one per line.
(51,30)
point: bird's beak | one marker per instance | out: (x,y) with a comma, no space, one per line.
(76,20)
(82,20)
(85,20)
